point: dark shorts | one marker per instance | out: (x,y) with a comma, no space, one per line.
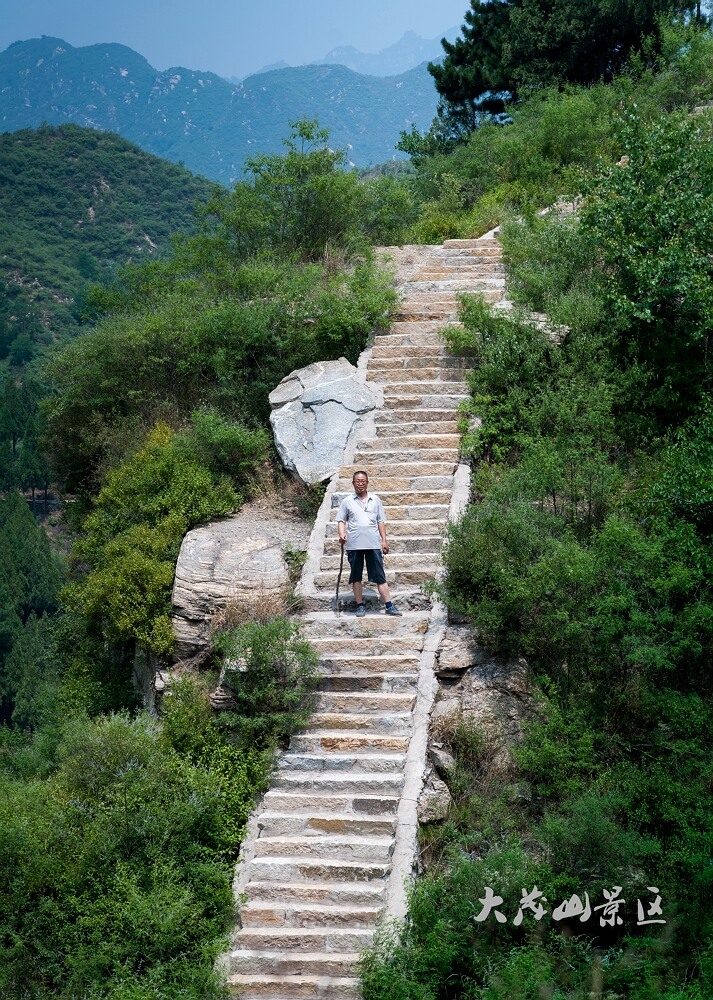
(374,565)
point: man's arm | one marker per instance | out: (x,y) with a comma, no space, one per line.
(382,533)
(342,529)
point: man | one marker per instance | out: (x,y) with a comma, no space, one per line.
(361,523)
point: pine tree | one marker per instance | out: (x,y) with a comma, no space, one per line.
(510,45)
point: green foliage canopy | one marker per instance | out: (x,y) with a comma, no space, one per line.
(510,45)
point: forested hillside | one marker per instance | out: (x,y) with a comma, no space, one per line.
(76,205)
(585,549)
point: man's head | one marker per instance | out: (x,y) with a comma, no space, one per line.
(360,482)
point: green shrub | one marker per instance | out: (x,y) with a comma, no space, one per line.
(271,673)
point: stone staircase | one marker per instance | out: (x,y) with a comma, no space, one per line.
(335,836)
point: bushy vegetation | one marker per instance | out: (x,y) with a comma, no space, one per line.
(508,47)
(555,135)
(119,831)
(587,550)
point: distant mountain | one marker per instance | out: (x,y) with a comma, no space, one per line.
(75,204)
(200,119)
(410,51)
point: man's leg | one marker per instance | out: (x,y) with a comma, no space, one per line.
(375,567)
(356,564)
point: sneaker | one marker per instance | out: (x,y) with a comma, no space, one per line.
(361,611)
(393,610)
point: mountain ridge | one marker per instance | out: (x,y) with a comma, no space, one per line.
(199,119)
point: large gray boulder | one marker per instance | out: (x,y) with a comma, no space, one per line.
(316,413)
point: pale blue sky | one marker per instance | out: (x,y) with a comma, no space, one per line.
(229,37)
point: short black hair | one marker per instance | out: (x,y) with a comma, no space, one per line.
(360,472)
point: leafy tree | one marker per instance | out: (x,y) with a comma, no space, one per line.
(510,45)
(297,203)
(473,77)
(652,221)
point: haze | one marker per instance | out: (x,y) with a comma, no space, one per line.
(230,37)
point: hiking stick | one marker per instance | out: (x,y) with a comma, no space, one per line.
(339,578)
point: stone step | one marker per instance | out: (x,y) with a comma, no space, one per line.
(395,456)
(436,362)
(411,342)
(419,416)
(437,401)
(329,939)
(407,528)
(429,296)
(389,377)
(330,662)
(343,848)
(394,560)
(313,803)
(391,723)
(485,246)
(286,823)
(294,987)
(331,742)
(415,484)
(405,643)
(396,423)
(344,763)
(410,512)
(357,701)
(453,387)
(284,960)
(361,682)
(365,681)
(439,304)
(476,284)
(412,438)
(296,914)
(311,869)
(415,576)
(461,264)
(410,498)
(394,469)
(354,782)
(320,596)
(398,545)
(390,432)
(416,326)
(390,347)
(369,894)
(443,313)
(325,624)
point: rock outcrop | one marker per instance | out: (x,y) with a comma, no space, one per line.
(240,558)
(495,694)
(316,413)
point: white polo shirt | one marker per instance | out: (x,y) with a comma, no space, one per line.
(361,521)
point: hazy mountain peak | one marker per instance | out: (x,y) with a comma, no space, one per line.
(408,52)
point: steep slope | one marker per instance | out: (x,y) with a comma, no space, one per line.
(74,204)
(335,836)
(199,118)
